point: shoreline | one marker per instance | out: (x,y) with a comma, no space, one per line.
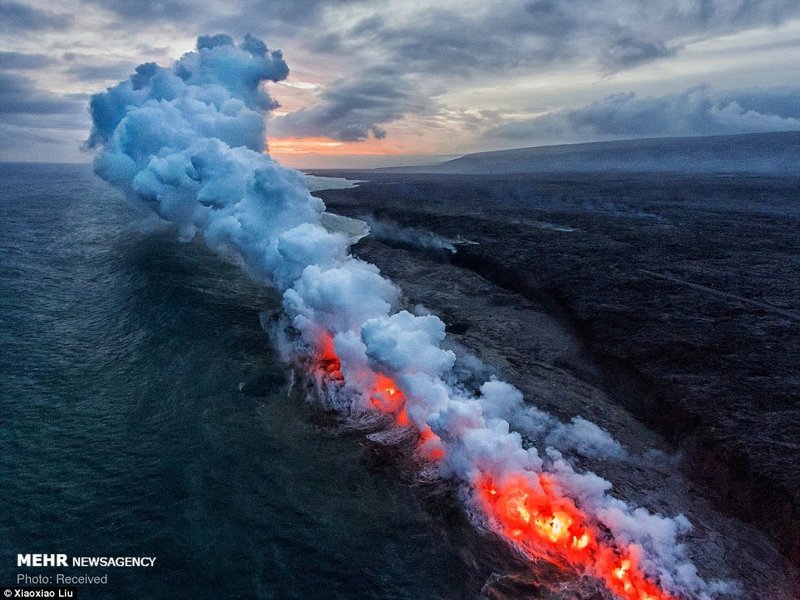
(728,482)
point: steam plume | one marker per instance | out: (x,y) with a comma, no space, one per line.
(188,142)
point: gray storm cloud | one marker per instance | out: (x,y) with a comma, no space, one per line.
(699,110)
(16,16)
(352,109)
(459,44)
(188,141)
(388,61)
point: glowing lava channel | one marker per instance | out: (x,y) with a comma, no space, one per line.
(530,515)
(523,507)
(188,143)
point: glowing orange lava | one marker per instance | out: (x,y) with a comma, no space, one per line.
(328,361)
(541,522)
(526,508)
(401,418)
(385,396)
(430,445)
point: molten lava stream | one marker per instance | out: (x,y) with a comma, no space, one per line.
(385,397)
(540,522)
(526,509)
(328,362)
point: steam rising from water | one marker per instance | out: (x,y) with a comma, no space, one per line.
(384,229)
(188,142)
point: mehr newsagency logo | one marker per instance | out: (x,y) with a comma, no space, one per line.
(63,560)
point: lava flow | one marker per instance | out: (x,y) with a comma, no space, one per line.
(525,508)
(384,396)
(328,362)
(532,516)
(387,398)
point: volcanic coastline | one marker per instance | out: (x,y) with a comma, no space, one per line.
(659,308)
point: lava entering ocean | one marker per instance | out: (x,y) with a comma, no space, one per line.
(188,142)
(531,515)
(524,507)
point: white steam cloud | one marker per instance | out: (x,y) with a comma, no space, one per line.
(188,142)
(385,229)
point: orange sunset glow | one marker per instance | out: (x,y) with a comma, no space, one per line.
(293,146)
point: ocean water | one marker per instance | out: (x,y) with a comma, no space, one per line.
(143,413)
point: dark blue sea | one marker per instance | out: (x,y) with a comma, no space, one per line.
(143,413)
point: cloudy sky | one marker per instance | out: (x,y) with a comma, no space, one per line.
(393,82)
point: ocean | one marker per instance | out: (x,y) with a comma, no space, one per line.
(144,413)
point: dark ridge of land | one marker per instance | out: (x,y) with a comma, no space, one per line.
(753,153)
(685,288)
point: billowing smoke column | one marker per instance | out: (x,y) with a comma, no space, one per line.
(189,142)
